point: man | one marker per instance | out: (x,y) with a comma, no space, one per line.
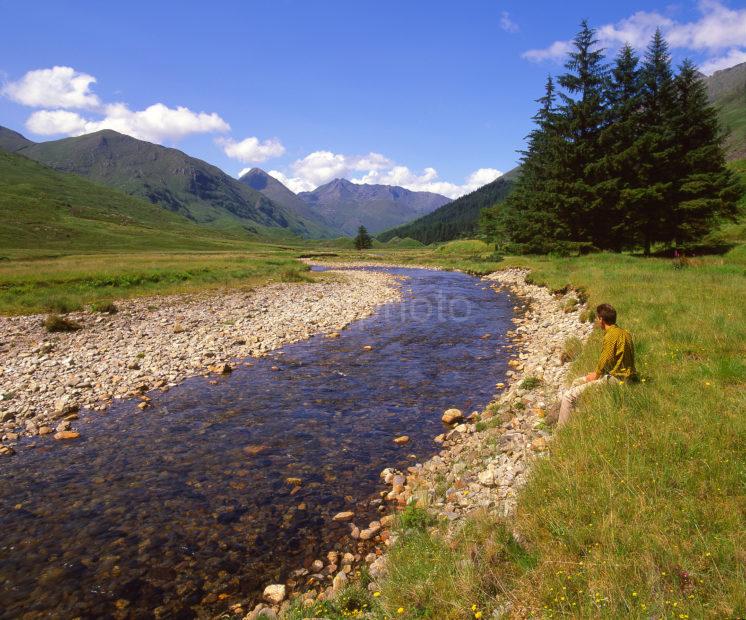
(616,364)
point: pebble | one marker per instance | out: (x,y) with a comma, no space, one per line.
(160,341)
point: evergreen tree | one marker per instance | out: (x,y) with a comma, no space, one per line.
(705,189)
(531,216)
(617,167)
(363,240)
(656,148)
(582,117)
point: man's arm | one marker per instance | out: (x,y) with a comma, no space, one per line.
(605,359)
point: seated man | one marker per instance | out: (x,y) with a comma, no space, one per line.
(617,361)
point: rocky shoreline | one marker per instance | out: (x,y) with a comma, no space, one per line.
(486,456)
(157,342)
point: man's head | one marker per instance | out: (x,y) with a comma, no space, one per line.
(606,314)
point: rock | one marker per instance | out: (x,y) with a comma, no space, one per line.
(63,406)
(223,368)
(65,435)
(387,521)
(45,430)
(487,478)
(402,439)
(63,426)
(367,347)
(317,566)
(452,416)
(253,450)
(338,583)
(378,568)
(275,593)
(6,451)
(333,335)
(344,516)
(539,444)
(294,481)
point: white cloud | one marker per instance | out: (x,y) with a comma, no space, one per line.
(252,150)
(556,51)
(717,29)
(61,89)
(58,87)
(155,123)
(733,57)
(320,167)
(507,24)
(52,122)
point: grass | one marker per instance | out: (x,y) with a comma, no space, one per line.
(640,510)
(68,283)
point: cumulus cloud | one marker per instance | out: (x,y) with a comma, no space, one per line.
(251,150)
(733,57)
(717,29)
(507,24)
(58,87)
(155,123)
(62,89)
(320,167)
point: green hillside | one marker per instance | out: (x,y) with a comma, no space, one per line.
(44,209)
(732,113)
(456,219)
(170,178)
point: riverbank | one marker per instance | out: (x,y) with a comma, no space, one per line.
(157,342)
(639,510)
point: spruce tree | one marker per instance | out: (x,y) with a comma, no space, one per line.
(363,240)
(581,119)
(656,147)
(617,169)
(705,189)
(530,218)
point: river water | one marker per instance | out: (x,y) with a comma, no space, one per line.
(185,508)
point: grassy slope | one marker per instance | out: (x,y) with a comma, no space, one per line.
(41,209)
(172,179)
(732,113)
(455,219)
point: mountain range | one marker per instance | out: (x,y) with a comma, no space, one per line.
(169,178)
(345,205)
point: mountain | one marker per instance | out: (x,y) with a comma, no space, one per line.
(456,219)
(727,90)
(12,141)
(170,178)
(258,179)
(42,208)
(346,205)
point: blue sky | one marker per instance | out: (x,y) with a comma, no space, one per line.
(427,94)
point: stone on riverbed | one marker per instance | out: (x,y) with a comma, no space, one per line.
(64,435)
(452,416)
(275,593)
(344,516)
(402,439)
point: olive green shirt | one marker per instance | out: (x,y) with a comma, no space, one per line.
(617,354)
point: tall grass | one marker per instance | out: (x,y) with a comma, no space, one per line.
(70,283)
(640,510)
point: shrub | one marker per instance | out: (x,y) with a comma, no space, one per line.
(56,323)
(529,383)
(571,349)
(414,518)
(104,307)
(570,305)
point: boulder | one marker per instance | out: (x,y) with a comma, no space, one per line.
(275,593)
(452,416)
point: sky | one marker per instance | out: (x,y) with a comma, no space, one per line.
(431,95)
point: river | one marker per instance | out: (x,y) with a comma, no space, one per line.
(185,508)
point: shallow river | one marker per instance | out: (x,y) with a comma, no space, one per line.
(185,508)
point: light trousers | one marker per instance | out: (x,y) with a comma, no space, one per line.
(571,395)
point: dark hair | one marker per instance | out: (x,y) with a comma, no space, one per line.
(607,313)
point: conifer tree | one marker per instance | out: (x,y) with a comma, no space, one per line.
(656,147)
(705,189)
(363,240)
(581,120)
(617,164)
(531,215)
